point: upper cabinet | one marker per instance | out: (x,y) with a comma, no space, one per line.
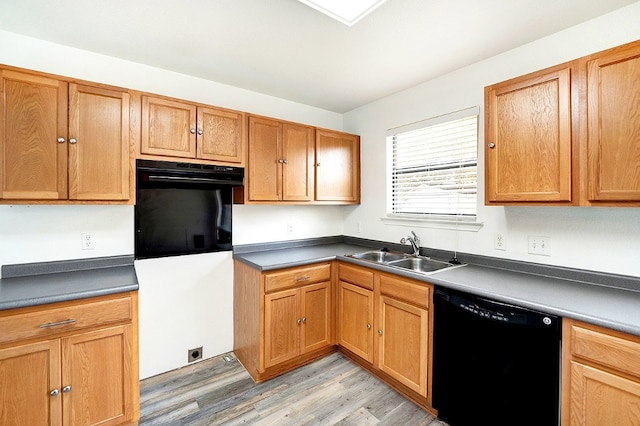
(297,164)
(567,135)
(280,161)
(613,110)
(173,128)
(528,134)
(62,140)
(337,167)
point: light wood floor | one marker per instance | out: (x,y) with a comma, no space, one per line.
(330,391)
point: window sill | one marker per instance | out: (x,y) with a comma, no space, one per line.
(431,222)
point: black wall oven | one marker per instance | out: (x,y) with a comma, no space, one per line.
(183,208)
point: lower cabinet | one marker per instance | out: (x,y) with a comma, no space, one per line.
(57,374)
(601,376)
(283,318)
(296,321)
(383,320)
(355,319)
(403,330)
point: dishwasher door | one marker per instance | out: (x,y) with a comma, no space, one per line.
(494,363)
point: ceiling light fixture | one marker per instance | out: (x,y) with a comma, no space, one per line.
(346,11)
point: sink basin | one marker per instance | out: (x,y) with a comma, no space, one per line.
(421,264)
(379,256)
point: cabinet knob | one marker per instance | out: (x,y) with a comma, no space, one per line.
(61,139)
(200,131)
(299,321)
(380,332)
(280,161)
(368,326)
(317,164)
(491,145)
(73,141)
(285,161)
(66,389)
(54,392)
(304,320)
(193,130)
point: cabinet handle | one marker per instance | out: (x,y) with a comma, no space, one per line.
(304,278)
(73,141)
(317,164)
(380,332)
(491,145)
(66,389)
(61,139)
(193,130)
(304,320)
(200,131)
(53,324)
(54,392)
(285,161)
(280,161)
(368,326)
(299,321)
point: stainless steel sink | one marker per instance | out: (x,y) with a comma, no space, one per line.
(379,256)
(423,265)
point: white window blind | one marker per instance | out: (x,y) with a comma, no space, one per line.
(434,167)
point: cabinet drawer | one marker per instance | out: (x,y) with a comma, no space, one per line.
(613,350)
(354,275)
(297,276)
(62,318)
(411,292)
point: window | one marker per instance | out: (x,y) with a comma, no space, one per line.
(433,167)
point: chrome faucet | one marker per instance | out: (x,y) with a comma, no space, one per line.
(414,241)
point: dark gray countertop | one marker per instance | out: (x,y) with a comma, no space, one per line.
(575,294)
(50,282)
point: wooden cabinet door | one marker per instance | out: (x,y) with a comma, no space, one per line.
(316,316)
(298,160)
(264,174)
(403,343)
(337,167)
(28,375)
(355,319)
(99,149)
(33,163)
(220,135)
(602,398)
(528,138)
(168,128)
(281,329)
(97,368)
(614,126)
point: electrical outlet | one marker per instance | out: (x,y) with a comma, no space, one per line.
(87,241)
(289,228)
(499,241)
(194,354)
(540,245)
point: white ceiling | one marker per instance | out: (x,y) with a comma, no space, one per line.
(289,50)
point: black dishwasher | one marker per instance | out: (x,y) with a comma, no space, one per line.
(494,363)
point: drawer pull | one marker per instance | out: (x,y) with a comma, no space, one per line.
(303,278)
(53,324)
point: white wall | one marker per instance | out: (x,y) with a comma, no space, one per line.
(603,239)
(190,297)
